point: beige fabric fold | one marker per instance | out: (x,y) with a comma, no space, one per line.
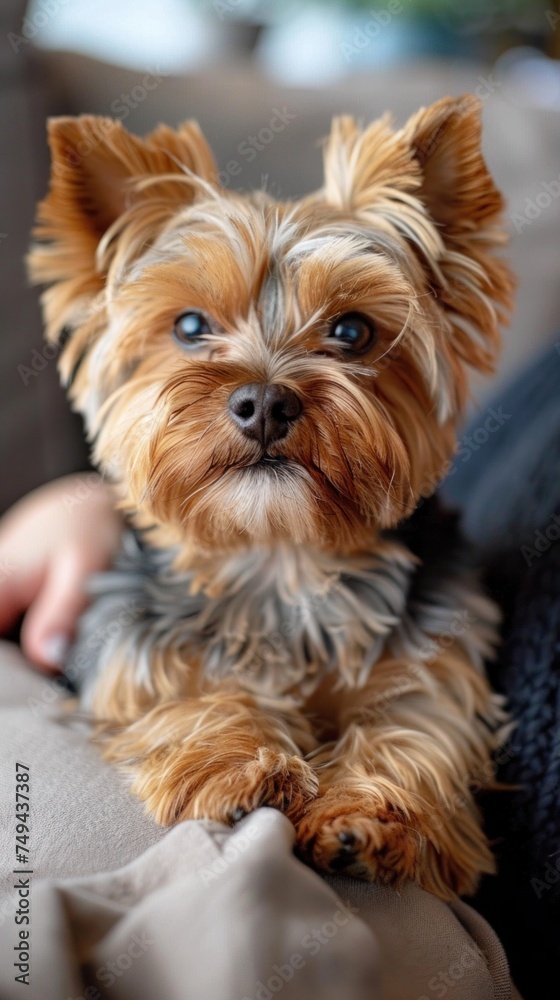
(122,909)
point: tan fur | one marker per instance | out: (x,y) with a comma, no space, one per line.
(405,230)
(219,755)
(406,738)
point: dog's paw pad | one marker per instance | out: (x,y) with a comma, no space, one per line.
(348,841)
(236,815)
(336,835)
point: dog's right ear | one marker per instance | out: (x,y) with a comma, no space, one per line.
(100,171)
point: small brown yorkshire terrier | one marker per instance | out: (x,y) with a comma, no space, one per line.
(272,387)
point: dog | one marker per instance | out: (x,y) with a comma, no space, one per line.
(273,388)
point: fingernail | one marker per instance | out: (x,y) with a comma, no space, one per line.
(54,649)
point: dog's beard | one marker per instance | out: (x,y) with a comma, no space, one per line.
(264,502)
(264,497)
(268,500)
(341,471)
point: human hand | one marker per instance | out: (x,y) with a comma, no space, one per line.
(50,543)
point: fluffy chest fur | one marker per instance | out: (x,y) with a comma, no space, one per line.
(280,620)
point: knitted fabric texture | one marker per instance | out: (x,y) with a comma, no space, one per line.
(509,492)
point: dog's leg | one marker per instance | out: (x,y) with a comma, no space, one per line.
(217,756)
(395,800)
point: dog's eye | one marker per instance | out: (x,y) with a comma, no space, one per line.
(354,332)
(189,328)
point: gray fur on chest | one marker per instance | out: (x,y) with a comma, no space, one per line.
(283,620)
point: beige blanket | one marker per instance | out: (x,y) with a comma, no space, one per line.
(122,909)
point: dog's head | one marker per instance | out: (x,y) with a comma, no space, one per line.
(253,371)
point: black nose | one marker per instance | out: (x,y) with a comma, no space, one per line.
(264,412)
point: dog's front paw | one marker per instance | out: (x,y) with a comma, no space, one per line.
(345,831)
(272,779)
(226,787)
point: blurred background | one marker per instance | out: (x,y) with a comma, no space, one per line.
(237,65)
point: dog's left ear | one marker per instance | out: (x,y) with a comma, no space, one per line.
(432,171)
(98,172)
(456,186)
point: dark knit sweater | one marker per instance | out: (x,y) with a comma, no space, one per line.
(509,491)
